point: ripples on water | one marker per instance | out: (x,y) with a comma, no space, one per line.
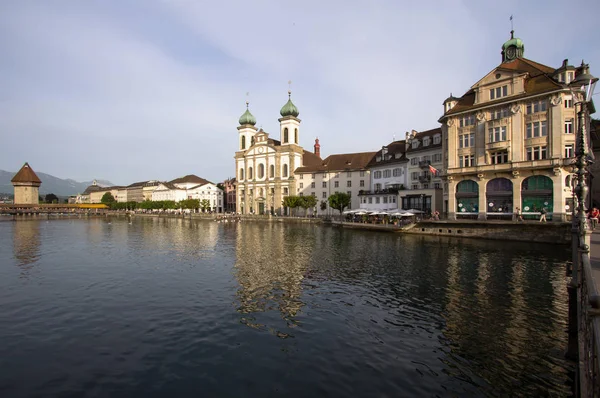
(171,307)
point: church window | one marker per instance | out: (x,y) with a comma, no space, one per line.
(250,173)
(272,171)
(285,135)
(243,142)
(241,173)
(285,170)
(261,171)
(296,135)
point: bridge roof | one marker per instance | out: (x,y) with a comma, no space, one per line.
(26,174)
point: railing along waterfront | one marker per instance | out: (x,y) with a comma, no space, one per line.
(588,325)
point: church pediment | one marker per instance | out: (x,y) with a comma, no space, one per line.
(260,150)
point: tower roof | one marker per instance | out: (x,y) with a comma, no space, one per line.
(247,117)
(26,174)
(513,41)
(289,109)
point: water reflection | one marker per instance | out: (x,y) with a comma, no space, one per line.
(26,245)
(270,267)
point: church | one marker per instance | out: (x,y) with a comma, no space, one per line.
(265,166)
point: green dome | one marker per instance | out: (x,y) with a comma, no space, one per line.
(247,117)
(513,42)
(289,109)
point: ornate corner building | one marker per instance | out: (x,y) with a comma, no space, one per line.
(509,141)
(266,167)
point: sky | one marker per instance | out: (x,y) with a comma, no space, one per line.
(129,91)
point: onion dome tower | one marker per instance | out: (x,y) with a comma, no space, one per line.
(289,122)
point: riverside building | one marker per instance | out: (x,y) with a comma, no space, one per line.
(510,140)
(265,166)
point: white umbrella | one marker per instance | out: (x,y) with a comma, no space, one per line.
(348,211)
(407,214)
(397,214)
(415,211)
(360,213)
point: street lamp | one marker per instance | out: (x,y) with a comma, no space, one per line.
(584,84)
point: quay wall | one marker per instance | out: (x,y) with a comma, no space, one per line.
(555,233)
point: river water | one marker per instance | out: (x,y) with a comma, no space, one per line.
(175,308)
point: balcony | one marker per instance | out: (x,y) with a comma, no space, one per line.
(497,145)
(424,164)
(424,178)
(381,191)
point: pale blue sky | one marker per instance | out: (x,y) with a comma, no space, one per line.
(136,90)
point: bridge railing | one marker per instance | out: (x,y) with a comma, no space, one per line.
(588,319)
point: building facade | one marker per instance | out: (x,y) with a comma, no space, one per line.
(387,172)
(424,154)
(509,141)
(265,167)
(26,186)
(229,187)
(337,173)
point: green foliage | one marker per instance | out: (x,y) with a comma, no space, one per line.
(307,202)
(339,201)
(205,205)
(157,205)
(190,204)
(51,198)
(292,201)
(107,198)
(123,205)
(323,205)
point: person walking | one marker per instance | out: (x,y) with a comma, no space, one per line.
(519,214)
(594,214)
(543,215)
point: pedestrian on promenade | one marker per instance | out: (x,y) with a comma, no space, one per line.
(519,214)
(594,214)
(543,215)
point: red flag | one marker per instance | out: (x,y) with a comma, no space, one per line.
(433,170)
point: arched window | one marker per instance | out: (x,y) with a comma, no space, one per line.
(241,173)
(272,171)
(243,142)
(261,171)
(285,170)
(499,198)
(285,135)
(250,173)
(467,198)
(252,141)
(296,135)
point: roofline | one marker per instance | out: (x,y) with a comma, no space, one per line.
(501,103)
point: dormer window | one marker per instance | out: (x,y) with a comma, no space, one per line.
(426,141)
(498,92)
(570,77)
(378,159)
(437,139)
(415,144)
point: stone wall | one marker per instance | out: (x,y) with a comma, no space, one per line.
(556,233)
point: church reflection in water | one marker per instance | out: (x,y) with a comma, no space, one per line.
(26,245)
(270,267)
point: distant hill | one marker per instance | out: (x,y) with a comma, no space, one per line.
(50,184)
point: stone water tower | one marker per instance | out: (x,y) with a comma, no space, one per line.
(27,186)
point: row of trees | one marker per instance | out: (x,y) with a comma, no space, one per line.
(186,204)
(338,201)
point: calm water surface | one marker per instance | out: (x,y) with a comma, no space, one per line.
(171,307)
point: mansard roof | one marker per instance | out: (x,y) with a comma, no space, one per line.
(191,178)
(420,136)
(340,162)
(393,148)
(538,81)
(26,174)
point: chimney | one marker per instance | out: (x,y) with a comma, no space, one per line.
(317,148)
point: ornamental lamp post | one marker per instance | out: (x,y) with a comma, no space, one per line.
(584,84)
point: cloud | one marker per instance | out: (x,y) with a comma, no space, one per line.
(123,92)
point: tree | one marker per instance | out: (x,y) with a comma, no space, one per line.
(107,198)
(51,198)
(323,205)
(205,205)
(339,201)
(292,201)
(307,202)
